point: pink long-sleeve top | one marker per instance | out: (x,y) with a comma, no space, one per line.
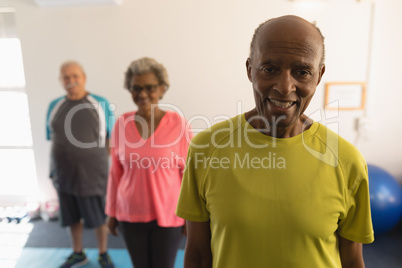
(145,175)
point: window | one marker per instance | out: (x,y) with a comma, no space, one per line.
(18,179)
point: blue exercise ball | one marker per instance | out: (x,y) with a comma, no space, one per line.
(385,199)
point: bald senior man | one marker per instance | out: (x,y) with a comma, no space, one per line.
(271,187)
(79,125)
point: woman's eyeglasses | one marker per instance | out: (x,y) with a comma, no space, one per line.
(138,89)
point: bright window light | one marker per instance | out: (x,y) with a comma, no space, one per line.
(18,172)
(18,178)
(11,66)
(14,117)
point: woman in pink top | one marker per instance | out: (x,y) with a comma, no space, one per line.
(149,148)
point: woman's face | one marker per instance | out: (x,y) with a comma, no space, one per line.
(146,91)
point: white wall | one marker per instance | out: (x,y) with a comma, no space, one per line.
(382,143)
(204,45)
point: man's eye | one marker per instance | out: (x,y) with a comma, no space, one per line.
(303,72)
(268,69)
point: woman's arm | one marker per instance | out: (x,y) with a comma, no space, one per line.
(351,253)
(115,173)
(198,247)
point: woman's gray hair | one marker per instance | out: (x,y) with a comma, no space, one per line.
(143,66)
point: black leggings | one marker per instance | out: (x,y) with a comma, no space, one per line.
(149,245)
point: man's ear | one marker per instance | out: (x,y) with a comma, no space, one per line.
(322,71)
(248,67)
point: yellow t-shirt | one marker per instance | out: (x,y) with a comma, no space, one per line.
(276,202)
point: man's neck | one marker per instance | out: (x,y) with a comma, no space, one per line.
(77,96)
(273,130)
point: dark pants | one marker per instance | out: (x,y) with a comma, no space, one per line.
(149,245)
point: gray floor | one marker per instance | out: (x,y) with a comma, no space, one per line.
(385,252)
(51,234)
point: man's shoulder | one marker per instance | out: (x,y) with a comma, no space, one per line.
(56,100)
(345,151)
(350,160)
(54,103)
(333,139)
(97,97)
(218,132)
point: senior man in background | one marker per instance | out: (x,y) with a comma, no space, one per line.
(79,126)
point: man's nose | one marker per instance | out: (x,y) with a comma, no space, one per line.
(285,83)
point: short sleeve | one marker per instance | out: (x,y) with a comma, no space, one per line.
(52,109)
(110,118)
(356,225)
(191,205)
(185,141)
(48,128)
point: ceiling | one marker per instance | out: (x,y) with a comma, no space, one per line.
(66,3)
